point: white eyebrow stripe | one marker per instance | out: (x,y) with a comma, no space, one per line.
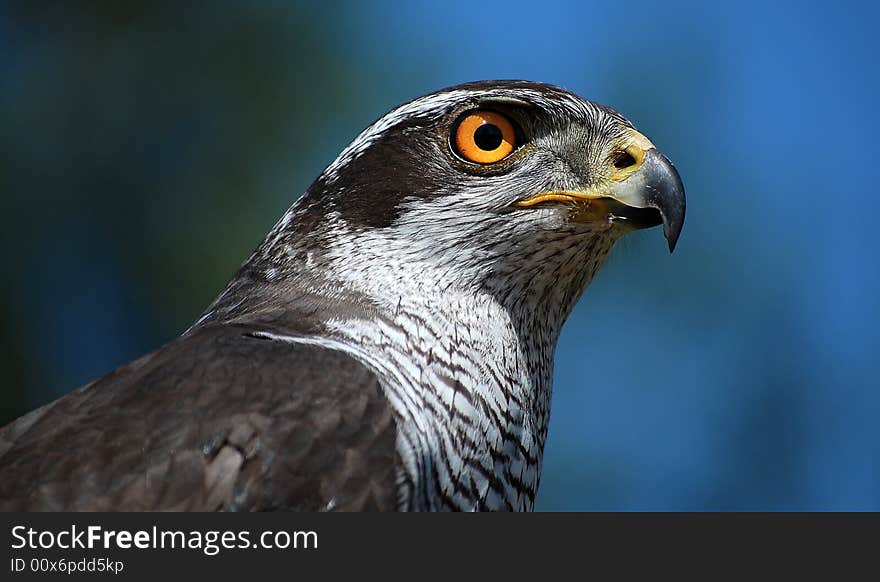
(416,108)
(435,103)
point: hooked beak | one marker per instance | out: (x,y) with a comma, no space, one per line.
(646,193)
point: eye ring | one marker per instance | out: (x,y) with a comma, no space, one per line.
(484,137)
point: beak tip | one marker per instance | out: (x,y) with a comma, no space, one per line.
(672,234)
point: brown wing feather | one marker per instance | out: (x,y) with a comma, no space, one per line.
(215,420)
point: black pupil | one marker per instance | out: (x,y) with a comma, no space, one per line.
(488,137)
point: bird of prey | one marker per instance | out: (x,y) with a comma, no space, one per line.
(389,345)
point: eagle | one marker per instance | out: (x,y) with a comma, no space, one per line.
(389,345)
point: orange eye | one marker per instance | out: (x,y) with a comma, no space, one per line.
(485,137)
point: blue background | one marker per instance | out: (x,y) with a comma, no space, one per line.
(146,149)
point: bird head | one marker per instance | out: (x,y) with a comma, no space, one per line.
(499,184)
(503,147)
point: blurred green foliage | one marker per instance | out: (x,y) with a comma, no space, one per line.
(164,137)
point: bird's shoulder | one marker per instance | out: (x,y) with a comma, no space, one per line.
(224,417)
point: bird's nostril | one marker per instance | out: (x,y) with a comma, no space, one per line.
(622,159)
